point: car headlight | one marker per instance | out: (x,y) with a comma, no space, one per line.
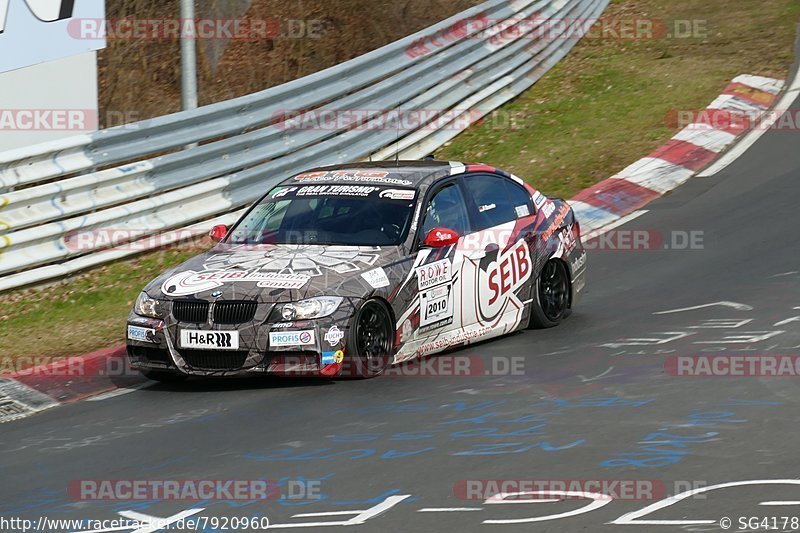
(319,307)
(149,307)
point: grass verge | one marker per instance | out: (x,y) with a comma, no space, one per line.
(605,105)
(599,110)
(80,315)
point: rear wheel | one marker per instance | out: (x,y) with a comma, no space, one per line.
(550,296)
(371,340)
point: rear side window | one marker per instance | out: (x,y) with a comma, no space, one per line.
(520,199)
(490,202)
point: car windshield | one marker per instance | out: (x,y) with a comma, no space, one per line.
(345,215)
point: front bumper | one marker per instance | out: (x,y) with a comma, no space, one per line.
(300,348)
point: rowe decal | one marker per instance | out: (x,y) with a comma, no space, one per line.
(434,274)
(191,282)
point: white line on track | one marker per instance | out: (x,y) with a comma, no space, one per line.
(784,274)
(448,509)
(118,392)
(584,379)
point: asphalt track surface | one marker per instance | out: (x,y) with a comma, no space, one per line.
(593,400)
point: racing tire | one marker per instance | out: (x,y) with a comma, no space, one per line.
(164,377)
(551,297)
(371,338)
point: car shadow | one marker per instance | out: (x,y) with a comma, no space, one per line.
(214,384)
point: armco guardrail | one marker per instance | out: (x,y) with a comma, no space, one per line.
(462,68)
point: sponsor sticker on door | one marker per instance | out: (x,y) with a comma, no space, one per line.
(209,340)
(434,274)
(436,306)
(291,338)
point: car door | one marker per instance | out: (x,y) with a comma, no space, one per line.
(427,325)
(497,254)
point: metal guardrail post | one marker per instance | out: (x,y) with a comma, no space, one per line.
(188,55)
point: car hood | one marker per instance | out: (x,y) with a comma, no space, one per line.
(280,273)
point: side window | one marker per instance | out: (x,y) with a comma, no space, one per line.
(446,210)
(520,199)
(490,202)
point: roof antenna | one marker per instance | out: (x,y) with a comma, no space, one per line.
(397,144)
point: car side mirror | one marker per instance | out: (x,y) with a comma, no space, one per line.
(441,237)
(218,232)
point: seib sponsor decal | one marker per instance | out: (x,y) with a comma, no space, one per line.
(504,277)
(212,340)
(398,194)
(291,338)
(191,282)
(136,333)
(434,274)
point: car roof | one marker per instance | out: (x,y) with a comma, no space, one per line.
(390,173)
